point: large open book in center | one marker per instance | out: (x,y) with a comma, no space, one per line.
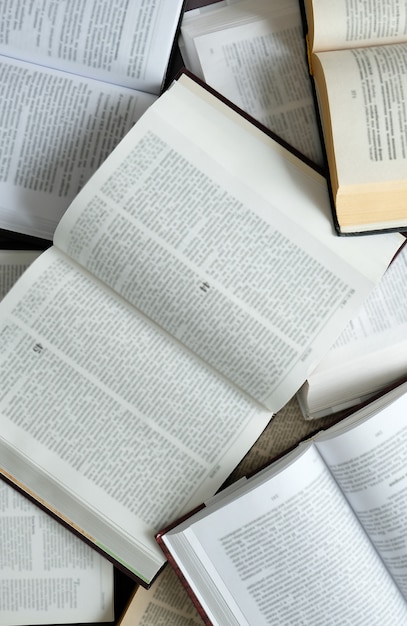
(192,285)
(318,537)
(358,61)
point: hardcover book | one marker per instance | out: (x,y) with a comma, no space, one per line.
(317,537)
(357,55)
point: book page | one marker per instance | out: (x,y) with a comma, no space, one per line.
(224,260)
(47,575)
(119,428)
(371,351)
(369,463)
(349,23)
(12,264)
(166,602)
(56,130)
(276,555)
(125,43)
(254,54)
(383,310)
(368,86)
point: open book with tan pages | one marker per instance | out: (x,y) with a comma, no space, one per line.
(319,536)
(74,78)
(357,53)
(191,284)
(369,355)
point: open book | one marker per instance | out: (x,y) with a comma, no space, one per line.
(191,284)
(370,353)
(74,77)
(357,54)
(47,575)
(317,537)
(167,600)
(252,51)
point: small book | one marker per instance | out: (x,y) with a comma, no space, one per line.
(74,78)
(357,56)
(252,51)
(369,355)
(47,574)
(318,537)
(191,284)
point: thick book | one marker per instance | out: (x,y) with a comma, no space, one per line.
(74,79)
(192,283)
(252,51)
(369,355)
(317,537)
(47,574)
(357,56)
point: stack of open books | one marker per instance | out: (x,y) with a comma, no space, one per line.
(195,284)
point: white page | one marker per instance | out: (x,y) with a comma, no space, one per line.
(47,575)
(56,130)
(242,312)
(258,62)
(276,556)
(119,416)
(125,43)
(385,308)
(372,349)
(369,463)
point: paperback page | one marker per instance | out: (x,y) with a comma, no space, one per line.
(349,23)
(56,130)
(106,418)
(369,463)
(372,350)
(275,555)
(125,43)
(231,251)
(256,58)
(12,264)
(47,575)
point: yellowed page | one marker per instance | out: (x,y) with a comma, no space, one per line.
(367,94)
(342,24)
